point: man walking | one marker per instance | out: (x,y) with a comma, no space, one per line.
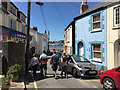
(43,61)
(54,61)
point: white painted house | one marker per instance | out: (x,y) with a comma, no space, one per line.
(39,41)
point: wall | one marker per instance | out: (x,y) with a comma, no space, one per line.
(69,40)
(83,34)
(14,54)
(113,34)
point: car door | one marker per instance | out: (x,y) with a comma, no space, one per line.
(70,64)
(117,76)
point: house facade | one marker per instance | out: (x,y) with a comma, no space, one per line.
(97,35)
(113,35)
(13,23)
(39,41)
(90,36)
(70,39)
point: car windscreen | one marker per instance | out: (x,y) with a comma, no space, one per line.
(78,58)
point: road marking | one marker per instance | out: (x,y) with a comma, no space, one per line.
(35,84)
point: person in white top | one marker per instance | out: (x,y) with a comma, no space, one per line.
(43,61)
(34,63)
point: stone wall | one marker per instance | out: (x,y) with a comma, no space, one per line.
(14,53)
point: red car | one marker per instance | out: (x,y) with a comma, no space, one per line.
(111,79)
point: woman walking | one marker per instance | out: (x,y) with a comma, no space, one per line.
(34,63)
(64,65)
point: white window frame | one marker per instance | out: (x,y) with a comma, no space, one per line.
(93,51)
(115,16)
(96,29)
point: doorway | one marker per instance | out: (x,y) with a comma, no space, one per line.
(81,49)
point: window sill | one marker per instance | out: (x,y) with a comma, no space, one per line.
(96,30)
(116,27)
(96,60)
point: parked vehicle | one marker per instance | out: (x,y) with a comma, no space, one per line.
(80,66)
(111,79)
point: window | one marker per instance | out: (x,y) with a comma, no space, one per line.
(12,10)
(22,29)
(117,70)
(22,19)
(117,16)
(12,24)
(96,51)
(96,21)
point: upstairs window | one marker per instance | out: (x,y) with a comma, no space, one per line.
(12,10)
(96,21)
(117,16)
(12,24)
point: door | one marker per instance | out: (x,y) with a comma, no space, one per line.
(81,49)
(119,54)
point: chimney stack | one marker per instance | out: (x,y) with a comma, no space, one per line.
(35,28)
(83,7)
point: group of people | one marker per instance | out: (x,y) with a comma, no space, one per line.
(54,61)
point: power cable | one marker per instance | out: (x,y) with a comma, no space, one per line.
(44,18)
(60,13)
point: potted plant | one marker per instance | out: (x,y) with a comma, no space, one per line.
(12,74)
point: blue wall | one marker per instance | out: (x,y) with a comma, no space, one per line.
(82,33)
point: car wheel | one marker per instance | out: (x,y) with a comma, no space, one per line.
(108,84)
(74,72)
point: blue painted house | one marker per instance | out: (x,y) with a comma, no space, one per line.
(91,34)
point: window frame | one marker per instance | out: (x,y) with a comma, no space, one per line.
(96,29)
(93,51)
(114,10)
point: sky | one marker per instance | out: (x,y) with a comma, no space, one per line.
(52,16)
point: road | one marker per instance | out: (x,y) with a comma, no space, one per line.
(62,82)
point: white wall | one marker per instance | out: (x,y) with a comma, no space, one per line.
(69,39)
(39,41)
(113,34)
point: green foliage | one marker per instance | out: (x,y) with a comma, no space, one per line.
(12,72)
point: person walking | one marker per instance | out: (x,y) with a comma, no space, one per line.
(34,63)
(55,62)
(43,60)
(64,65)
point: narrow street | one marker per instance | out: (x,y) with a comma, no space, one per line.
(62,82)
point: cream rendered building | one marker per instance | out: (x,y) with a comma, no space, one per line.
(113,36)
(12,21)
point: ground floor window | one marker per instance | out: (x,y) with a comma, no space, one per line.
(96,51)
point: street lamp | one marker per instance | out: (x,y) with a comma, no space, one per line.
(28,35)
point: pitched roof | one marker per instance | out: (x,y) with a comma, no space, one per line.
(99,6)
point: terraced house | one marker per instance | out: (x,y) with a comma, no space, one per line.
(97,34)
(13,23)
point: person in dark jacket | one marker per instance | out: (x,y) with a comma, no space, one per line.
(55,62)
(64,65)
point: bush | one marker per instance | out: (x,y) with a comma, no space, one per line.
(13,71)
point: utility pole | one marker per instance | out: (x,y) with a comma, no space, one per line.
(28,35)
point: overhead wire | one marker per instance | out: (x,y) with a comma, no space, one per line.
(60,13)
(44,18)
